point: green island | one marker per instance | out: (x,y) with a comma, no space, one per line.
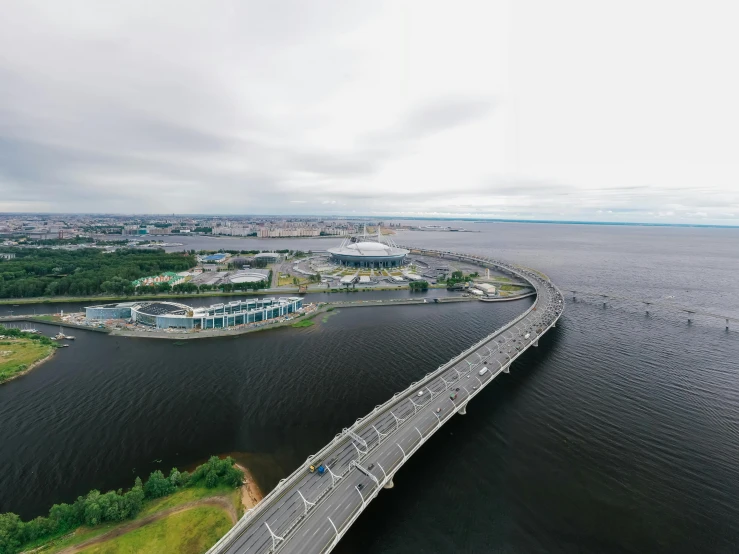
(181,512)
(20,352)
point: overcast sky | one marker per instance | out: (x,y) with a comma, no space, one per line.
(615,111)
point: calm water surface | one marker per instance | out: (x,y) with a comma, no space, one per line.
(620,433)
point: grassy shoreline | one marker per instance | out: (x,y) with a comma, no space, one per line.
(19,355)
(151,508)
(115,518)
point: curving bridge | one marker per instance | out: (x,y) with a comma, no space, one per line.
(309,513)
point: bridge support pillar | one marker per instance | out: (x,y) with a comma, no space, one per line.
(463,411)
(389,485)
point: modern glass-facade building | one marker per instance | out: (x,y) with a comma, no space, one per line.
(173,315)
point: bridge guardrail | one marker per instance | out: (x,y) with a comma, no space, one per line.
(285,484)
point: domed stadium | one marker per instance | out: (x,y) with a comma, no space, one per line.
(366,251)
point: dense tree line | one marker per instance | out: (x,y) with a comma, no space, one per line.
(85,272)
(95,507)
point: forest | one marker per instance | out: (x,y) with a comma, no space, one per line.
(38,272)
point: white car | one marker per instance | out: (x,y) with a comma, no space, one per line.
(420,393)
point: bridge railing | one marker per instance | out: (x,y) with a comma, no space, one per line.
(356,512)
(287,483)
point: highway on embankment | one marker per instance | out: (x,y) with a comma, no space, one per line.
(308,513)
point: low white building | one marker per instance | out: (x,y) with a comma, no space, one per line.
(486,288)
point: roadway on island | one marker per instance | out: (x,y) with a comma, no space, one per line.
(309,513)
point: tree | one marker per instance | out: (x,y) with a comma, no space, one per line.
(10,532)
(211,479)
(158,485)
(93,512)
(418,285)
(175,477)
(134,499)
(65,516)
(37,529)
(216,471)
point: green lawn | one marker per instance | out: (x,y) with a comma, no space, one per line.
(17,354)
(182,496)
(510,288)
(302,323)
(51,318)
(189,532)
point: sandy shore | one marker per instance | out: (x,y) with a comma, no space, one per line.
(250,492)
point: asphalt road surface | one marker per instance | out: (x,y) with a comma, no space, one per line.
(308,513)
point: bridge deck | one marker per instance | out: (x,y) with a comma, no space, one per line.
(309,513)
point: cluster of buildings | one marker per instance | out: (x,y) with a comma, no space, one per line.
(275,232)
(284,229)
(39,226)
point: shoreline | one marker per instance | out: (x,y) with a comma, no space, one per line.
(251,494)
(34,365)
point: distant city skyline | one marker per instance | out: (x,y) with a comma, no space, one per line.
(569,111)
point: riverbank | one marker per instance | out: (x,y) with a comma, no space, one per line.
(20,355)
(251,494)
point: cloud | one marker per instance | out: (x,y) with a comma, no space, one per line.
(248,107)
